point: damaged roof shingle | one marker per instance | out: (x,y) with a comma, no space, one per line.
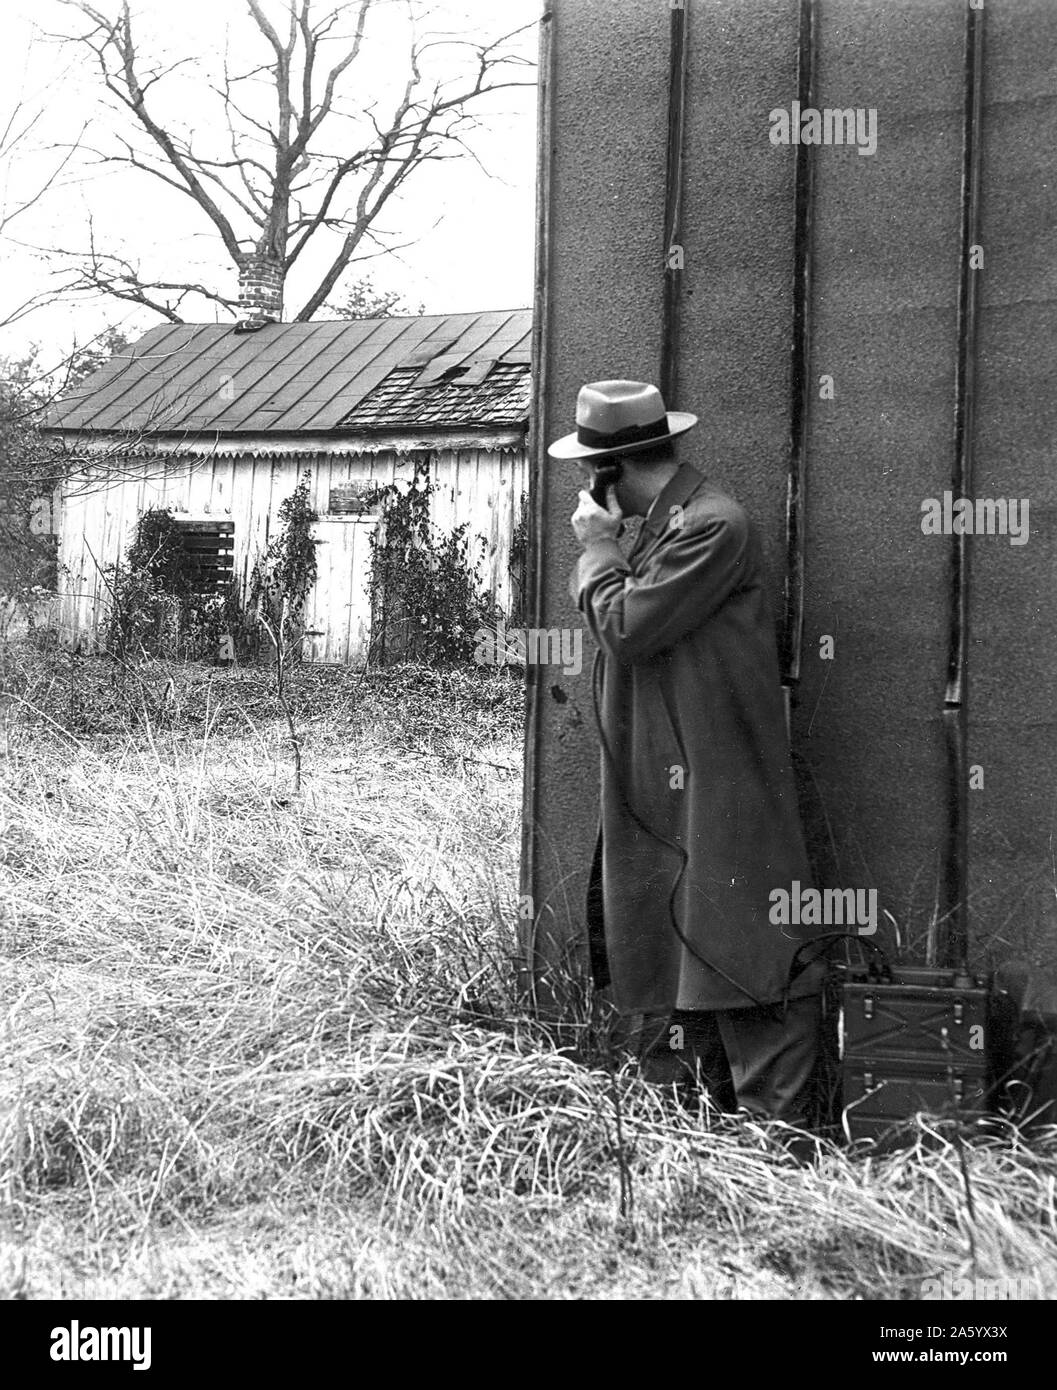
(502,398)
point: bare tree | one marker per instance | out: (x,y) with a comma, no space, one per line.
(309,166)
(17,125)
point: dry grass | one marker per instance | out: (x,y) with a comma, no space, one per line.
(241,1056)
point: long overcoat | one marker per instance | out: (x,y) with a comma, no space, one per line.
(699,818)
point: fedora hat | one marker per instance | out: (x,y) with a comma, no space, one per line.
(619,417)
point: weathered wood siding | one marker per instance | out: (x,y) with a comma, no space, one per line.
(100,511)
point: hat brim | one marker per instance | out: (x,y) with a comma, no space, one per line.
(569,446)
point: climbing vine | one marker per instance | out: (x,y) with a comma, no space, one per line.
(282,581)
(285,574)
(517,566)
(426,593)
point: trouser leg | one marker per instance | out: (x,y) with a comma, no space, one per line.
(652,1040)
(686,1046)
(706,1057)
(772,1059)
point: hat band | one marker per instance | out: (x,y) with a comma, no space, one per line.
(630,434)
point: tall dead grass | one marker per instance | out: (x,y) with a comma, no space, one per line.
(265,1044)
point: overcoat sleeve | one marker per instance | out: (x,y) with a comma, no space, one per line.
(685,580)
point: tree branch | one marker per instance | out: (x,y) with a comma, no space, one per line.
(118,36)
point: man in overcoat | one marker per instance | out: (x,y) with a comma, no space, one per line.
(699,818)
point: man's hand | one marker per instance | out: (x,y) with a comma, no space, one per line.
(594,523)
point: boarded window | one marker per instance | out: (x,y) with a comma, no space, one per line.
(210,549)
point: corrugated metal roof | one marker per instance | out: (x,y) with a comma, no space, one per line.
(206,378)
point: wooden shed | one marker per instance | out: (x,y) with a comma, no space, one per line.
(216,424)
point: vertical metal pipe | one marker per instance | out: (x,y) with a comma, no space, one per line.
(527,953)
(956,698)
(673,203)
(800,386)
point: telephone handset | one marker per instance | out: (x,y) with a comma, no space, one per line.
(606,474)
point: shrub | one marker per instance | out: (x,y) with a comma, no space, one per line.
(426,597)
(284,575)
(157,608)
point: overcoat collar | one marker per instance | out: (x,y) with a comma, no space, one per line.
(679,488)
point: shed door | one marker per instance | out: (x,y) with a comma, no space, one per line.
(338,612)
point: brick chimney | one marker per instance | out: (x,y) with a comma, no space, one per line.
(260,291)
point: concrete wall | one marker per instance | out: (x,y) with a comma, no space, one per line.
(866,731)
(1014,650)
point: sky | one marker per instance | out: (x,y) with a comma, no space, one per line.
(468,224)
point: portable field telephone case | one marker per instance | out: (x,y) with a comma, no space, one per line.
(947,1041)
(914,1038)
(899,1039)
